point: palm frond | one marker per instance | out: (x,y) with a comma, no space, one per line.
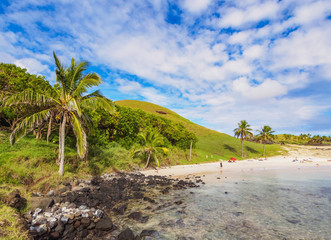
(60,75)
(80,136)
(96,93)
(76,74)
(98,102)
(157,162)
(74,106)
(28,124)
(90,80)
(29,97)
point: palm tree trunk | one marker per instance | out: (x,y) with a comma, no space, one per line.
(242,147)
(61,144)
(49,130)
(191,150)
(149,157)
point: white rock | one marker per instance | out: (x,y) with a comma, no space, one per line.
(64,219)
(98,213)
(48,214)
(52,222)
(82,207)
(50,193)
(37,211)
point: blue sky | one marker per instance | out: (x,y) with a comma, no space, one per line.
(213,62)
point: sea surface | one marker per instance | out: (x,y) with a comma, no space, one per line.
(254,204)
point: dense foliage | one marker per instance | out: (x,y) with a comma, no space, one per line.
(14,79)
(124,126)
(107,134)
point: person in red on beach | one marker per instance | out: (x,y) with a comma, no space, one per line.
(232,159)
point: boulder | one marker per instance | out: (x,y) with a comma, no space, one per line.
(85,222)
(15,200)
(41,202)
(105,224)
(127,234)
(149,233)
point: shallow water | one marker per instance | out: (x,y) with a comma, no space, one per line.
(259,204)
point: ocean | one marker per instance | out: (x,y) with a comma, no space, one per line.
(282,203)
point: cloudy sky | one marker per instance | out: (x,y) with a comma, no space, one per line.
(213,62)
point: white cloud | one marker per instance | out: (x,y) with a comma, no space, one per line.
(32,65)
(254,51)
(149,94)
(195,6)
(237,17)
(196,63)
(312,12)
(267,89)
(303,48)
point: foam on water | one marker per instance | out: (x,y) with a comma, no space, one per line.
(263,204)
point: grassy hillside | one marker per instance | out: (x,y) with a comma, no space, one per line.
(212,145)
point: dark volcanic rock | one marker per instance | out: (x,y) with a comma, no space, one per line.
(41,202)
(293,221)
(135,215)
(147,199)
(127,234)
(149,233)
(15,200)
(54,235)
(179,202)
(138,195)
(79,212)
(68,229)
(138,217)
(105,224)
(121,209)
(85,222)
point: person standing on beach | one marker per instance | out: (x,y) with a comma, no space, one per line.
(221,163)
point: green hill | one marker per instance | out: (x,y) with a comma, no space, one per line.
(212,145)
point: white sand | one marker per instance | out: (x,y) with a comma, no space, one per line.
(298,156)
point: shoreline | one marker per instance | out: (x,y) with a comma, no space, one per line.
(297,157)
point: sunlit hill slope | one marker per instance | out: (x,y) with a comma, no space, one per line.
(212,145)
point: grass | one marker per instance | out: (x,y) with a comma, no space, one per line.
(11,226)
(212,145)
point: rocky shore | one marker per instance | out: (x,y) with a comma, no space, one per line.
(98,208)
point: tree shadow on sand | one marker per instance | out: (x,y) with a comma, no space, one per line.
(231,149)
(251,150)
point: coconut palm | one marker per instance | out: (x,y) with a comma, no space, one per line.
(243,131)
(264,135)
(62,103)
(151,144)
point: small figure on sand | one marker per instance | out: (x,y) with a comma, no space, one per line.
(221,163)
(232,159)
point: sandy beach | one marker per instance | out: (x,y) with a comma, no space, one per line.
(297,157)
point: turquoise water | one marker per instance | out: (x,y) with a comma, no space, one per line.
(263,204)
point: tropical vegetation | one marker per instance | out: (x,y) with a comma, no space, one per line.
(243,131)
(61,104)
(151,143)
(265,134)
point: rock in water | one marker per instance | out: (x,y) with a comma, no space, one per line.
(104,224)
(127,234)
(149,233)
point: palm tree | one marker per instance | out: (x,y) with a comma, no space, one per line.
(151,143)
(63,103)
(264,135)
(243,131)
